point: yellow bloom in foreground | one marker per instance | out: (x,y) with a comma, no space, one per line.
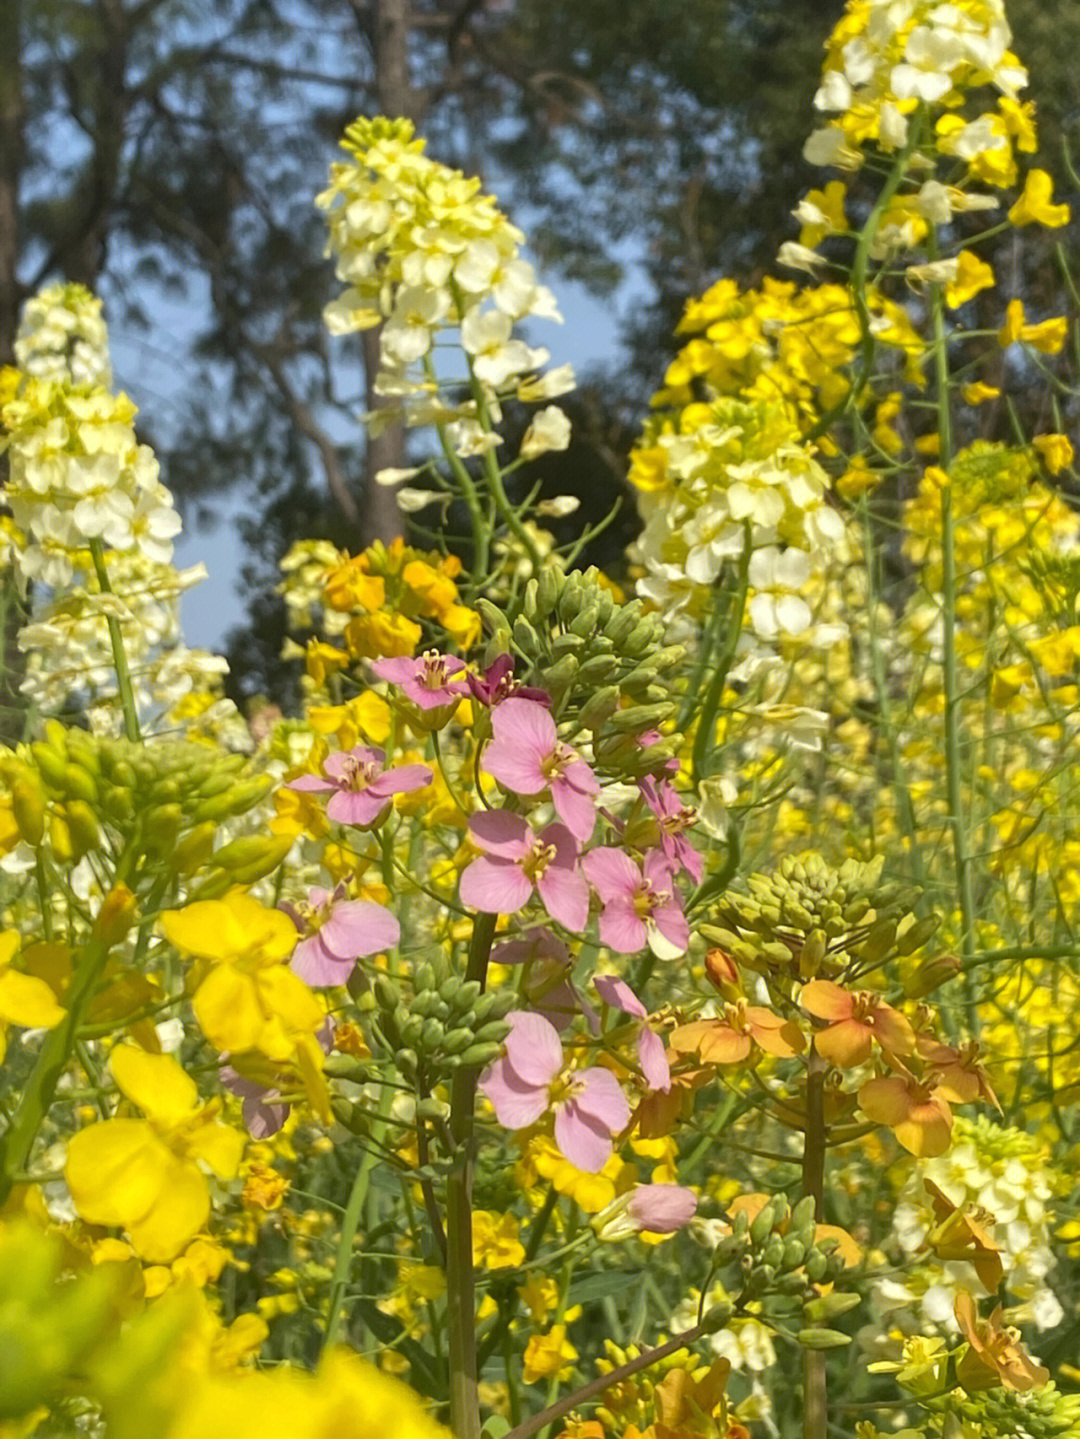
(344,1399)
(977,393)
(24,1000)
(1049,336)
(1034,207)
(245,997)
(549,1355)
(143,1174)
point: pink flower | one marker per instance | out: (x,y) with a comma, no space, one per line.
(528,757)
(655,1208)
(546,982)
(338,932)
(639,908)
(261,1109)
(673,817)
(427,681)
(654,1066)
(588,1104)
(362,788)
(498,684)
(517,861)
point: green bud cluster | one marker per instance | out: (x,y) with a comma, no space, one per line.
(444,1023)
(161,795)
(1043,1413)
(809,919)
(603,663)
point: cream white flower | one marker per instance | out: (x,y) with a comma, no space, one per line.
(549,430)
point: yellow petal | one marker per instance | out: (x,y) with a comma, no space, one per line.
(218,1146)
(155,1082)
(227,1008)
(114,1170)
(181,1208)
(28,1001)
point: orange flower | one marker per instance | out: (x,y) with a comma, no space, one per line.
(995,1357)
(730,1040)
(854,1022)
(961,1079)
(921,1119)
(960,1234)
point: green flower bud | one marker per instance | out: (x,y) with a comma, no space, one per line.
(822,1339)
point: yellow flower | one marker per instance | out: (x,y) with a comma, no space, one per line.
(24,1000)
(245,997)
(977,393)
(548,1356)
(495,1240)
(972,275)
(1034,207)
(1049,336)
(382,634)
(1055,451)
(143,1174)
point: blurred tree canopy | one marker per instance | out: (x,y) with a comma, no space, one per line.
(167,151)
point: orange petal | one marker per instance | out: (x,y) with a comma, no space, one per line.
(825,1000)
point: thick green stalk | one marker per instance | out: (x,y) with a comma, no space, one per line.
(705,735)
(460,1279)
(116,640)
(815,1390)
(953,784)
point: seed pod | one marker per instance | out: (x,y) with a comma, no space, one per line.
(599,707)
(547,591)
(761,1225)
(79,783)
(528,603)
(822,1339)
(28,808)
(50,763)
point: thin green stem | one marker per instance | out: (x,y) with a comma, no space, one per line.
(350,1222)
(705,735)
(815,1383)
(953,778)
(119,654)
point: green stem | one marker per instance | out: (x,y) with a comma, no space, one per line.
(350,1222)
(815,1383)
(460,1278)
(55,1052)
(119,654)
(705,735)
(953,786)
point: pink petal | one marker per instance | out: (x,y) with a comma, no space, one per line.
(622,928)
(598,1094)
(533,1048)
(397,669)
(585,1142)
(525,724)
(575,809)
(349,807)
(312,783)
(516,1104)
(520,770)
(495,886)
(653,1060)
(566,896)
(618,994)
(612,873)
(499,832)
(662,1208)
(357,927)
(671,922)
(315,965)
(404,778)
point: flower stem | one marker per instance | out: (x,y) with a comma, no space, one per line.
(953,786)
(116,641)
(350,1222)
(460,1279)
(815,1390)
